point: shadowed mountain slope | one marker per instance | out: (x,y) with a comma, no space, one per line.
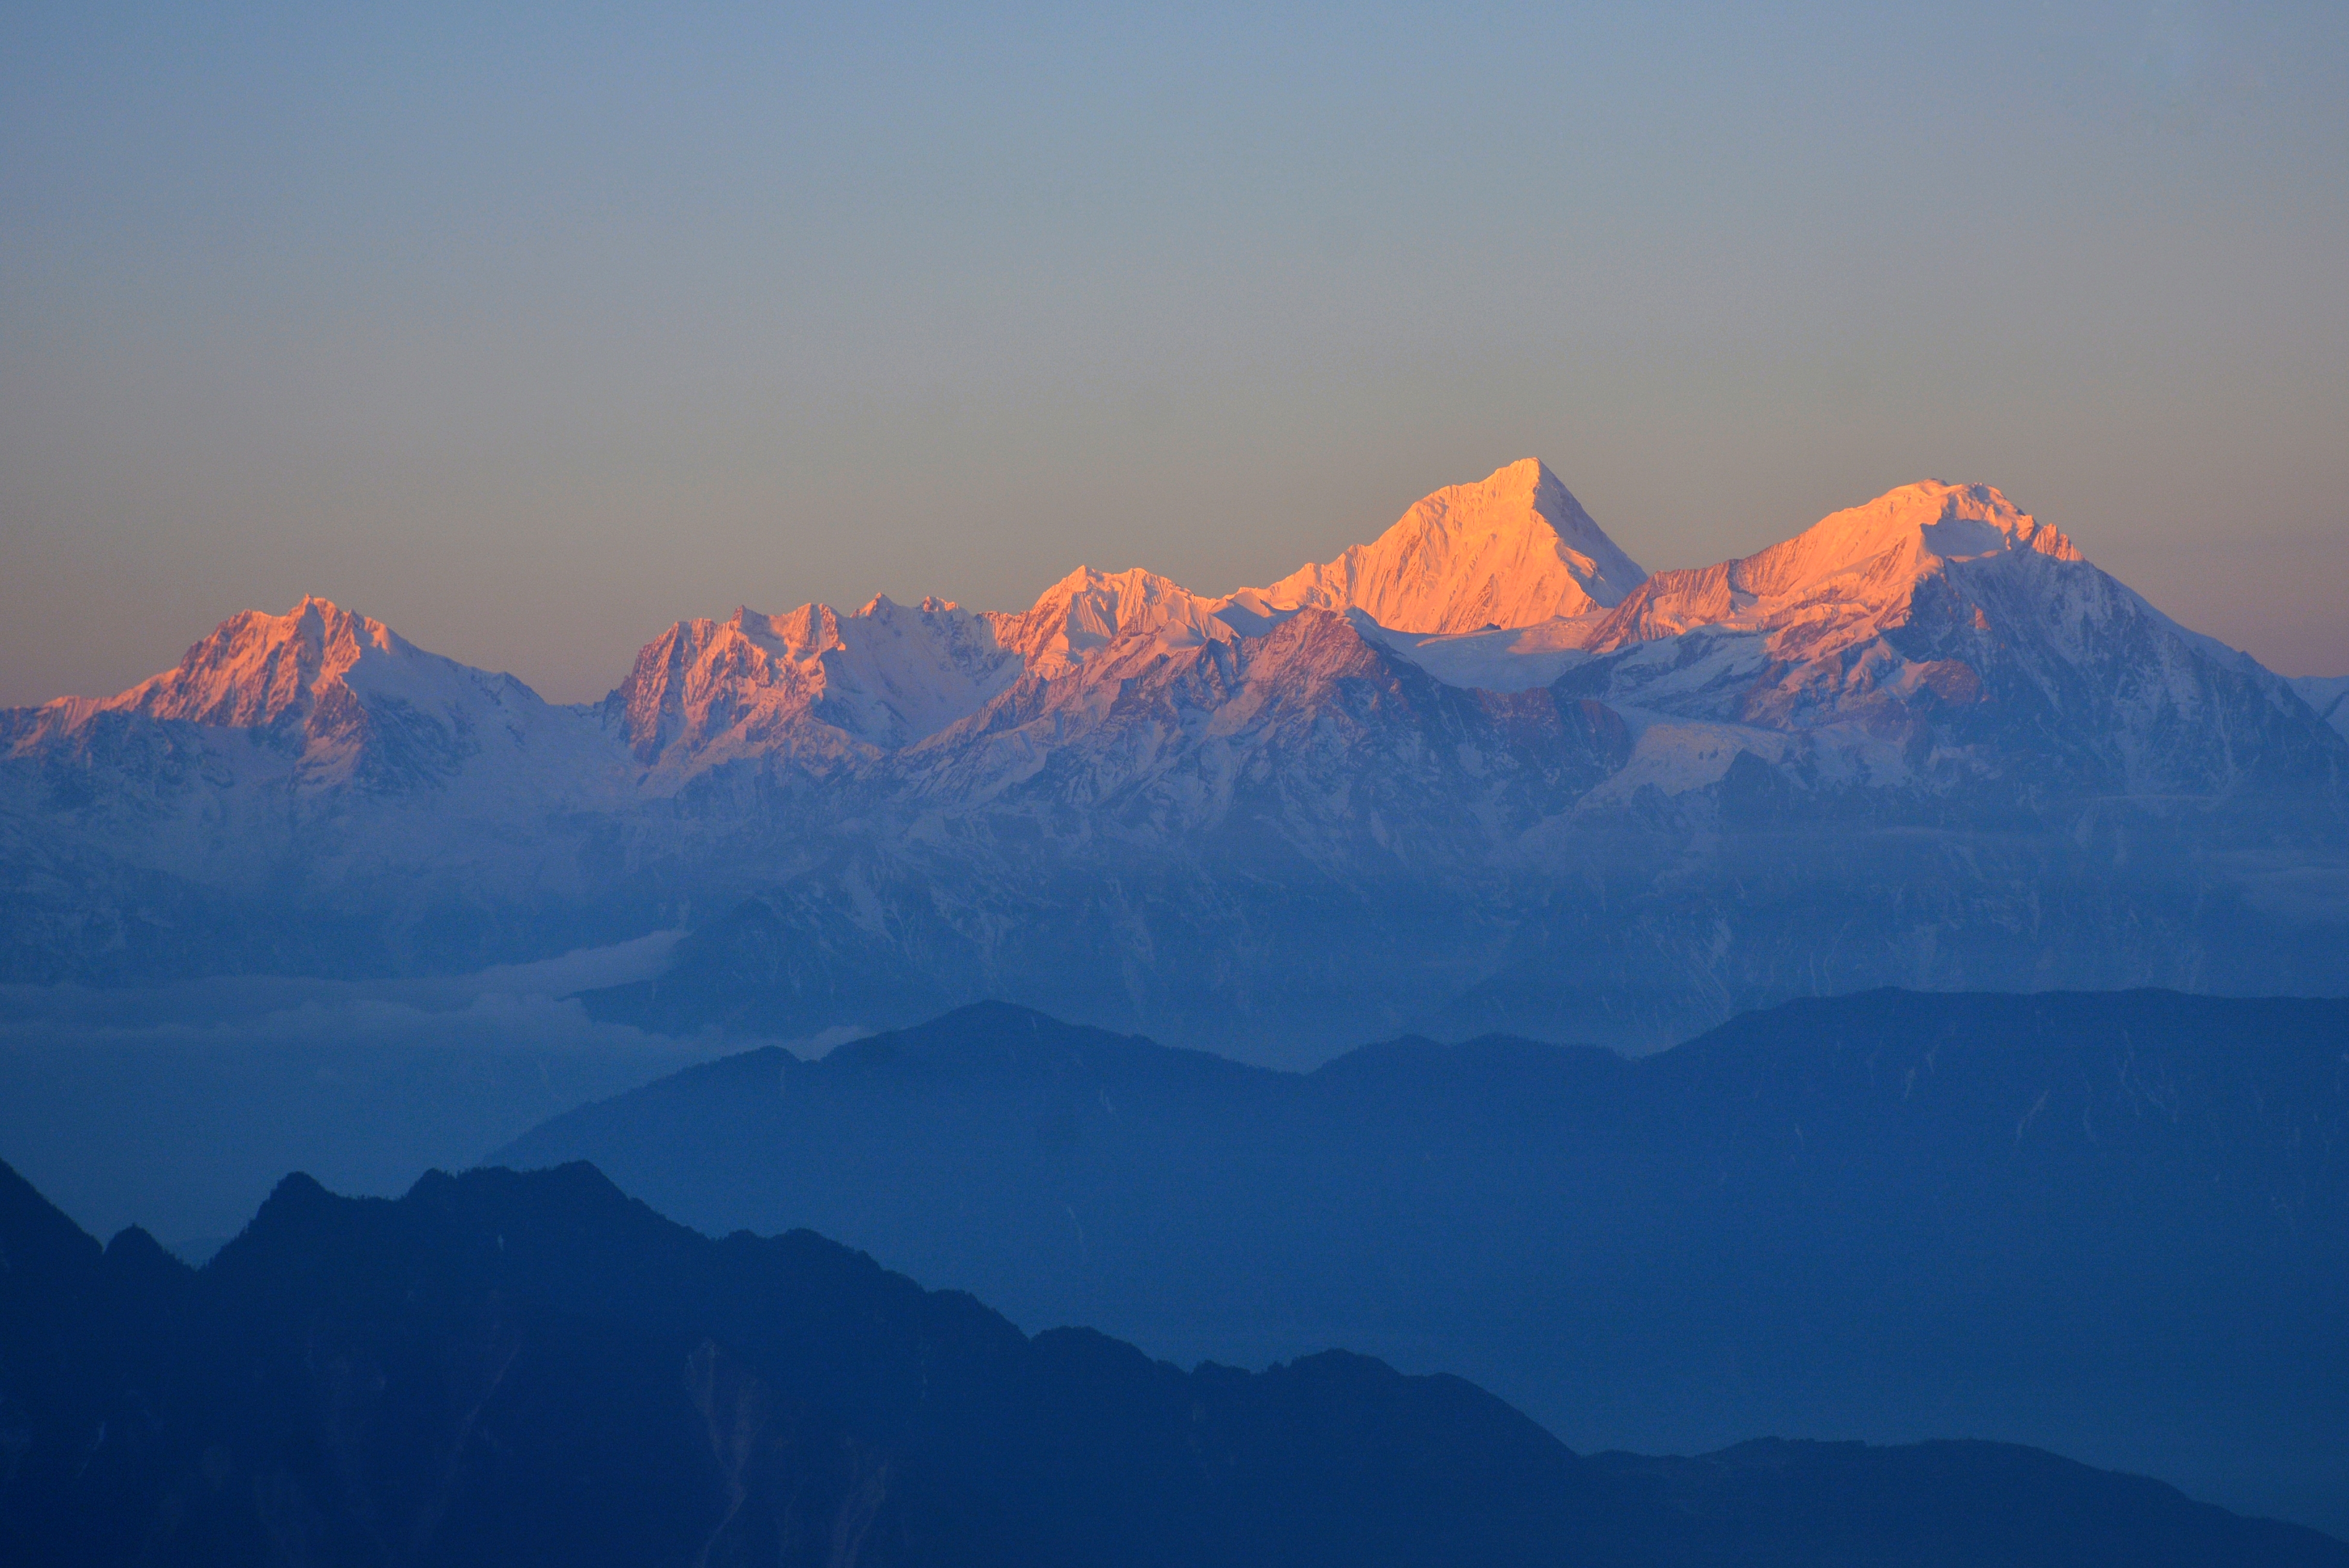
(512,1369)
(2114,1225)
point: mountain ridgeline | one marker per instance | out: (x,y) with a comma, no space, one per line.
(1481,773)
(2117,1226)
(514,1369)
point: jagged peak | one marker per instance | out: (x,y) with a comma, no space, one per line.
(1093,580)
(1089,609)
(883,675)
(316,618)
(256,668)
(881,608)
(312,613)
(809,623)
(1512,550)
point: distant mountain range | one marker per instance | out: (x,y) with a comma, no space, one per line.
(503,1370)
(1485,772)
(2113,1225)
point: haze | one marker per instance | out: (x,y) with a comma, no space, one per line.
(531,335)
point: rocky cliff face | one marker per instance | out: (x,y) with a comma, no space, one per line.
(1482,772)
(814,687)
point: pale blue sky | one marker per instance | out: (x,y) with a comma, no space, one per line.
(531,335)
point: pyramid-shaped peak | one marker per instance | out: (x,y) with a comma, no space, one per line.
(1527,476)
(1525,497)
(1513,549)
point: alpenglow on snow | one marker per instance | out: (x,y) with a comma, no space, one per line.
(1482,773)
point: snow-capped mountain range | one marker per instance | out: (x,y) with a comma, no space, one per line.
(1482,770)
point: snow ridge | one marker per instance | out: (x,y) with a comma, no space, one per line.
(1847,577)
(350,699)
(811,683)
(1088,609)
(1846,655)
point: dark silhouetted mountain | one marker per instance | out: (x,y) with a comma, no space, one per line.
(179,1108)
(2117,1225)
(509,1369)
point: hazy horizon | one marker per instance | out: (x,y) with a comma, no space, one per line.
(528,338)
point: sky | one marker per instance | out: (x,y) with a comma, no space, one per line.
(532,331)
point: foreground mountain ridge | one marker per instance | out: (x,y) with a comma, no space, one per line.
(2114,1225)
(506,1368)
(1398,761)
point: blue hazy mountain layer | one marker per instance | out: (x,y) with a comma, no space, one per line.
(503,1369)
(178,1108)
(2113,1224)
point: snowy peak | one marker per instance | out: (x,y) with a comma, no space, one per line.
(812,681)
(1189,726)
(1853,571)
(341,700)
(256,669)
(702,678)
(1940,637)
(1514,550)
(1912,531)
(1088,609)
(1863,634)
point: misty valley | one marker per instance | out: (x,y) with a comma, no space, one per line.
(1474,1052)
